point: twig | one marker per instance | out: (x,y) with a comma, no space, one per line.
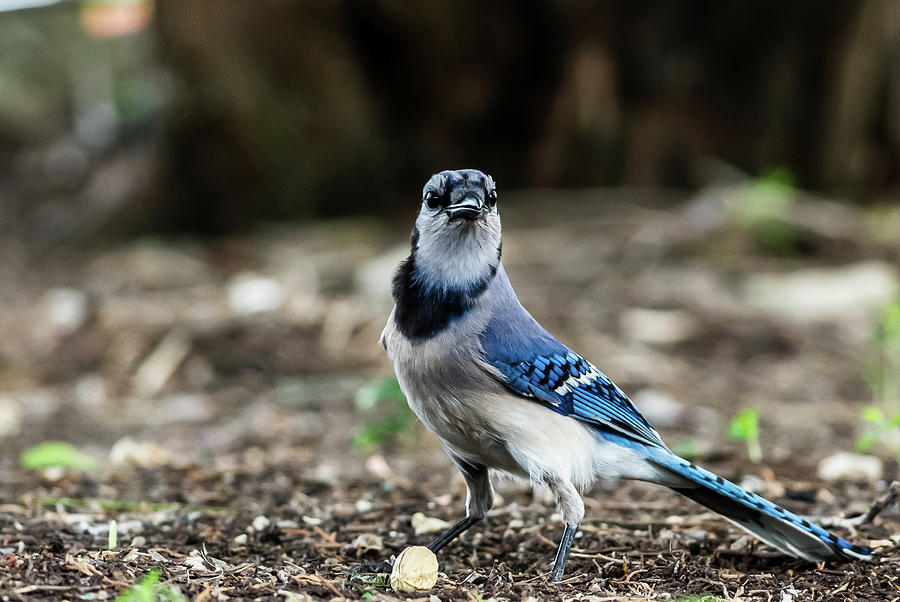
(209,561)
(602,556)
(54,588)
(890,497)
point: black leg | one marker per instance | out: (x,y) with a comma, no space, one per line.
(452,533)
(562,554)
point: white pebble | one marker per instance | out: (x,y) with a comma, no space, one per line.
(846,466)
(252,294)
(65,309)
(423,525)
(261,523)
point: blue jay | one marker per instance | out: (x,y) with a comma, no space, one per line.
(502,394)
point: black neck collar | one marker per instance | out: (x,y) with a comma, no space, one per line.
(424,311)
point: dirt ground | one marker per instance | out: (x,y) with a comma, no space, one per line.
(213,385)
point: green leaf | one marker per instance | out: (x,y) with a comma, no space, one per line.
(151,590)
(895,421)
(379,431)
(745,425)
(50,454)
(866,442)
(873,414)
(891,320)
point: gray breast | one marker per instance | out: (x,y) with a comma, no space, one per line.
(450,389)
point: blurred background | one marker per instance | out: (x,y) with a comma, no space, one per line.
(123,117)
(202,204)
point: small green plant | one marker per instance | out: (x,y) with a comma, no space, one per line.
(385,413)
(745,427)
(151,590)
(763,209)
(52,454)
(883,376)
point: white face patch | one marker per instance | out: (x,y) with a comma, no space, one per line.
(456,254)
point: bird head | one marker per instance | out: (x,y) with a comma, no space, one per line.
(456,240)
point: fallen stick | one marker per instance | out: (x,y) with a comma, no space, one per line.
(890,497)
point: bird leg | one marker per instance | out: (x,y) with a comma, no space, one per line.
(452,533)
(572,508)
(479,499)
(562,554)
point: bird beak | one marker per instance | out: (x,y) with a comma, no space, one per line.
(469,208)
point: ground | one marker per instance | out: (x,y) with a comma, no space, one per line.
(213,388)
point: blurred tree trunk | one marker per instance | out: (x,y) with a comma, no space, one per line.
(296,108)
(865,99)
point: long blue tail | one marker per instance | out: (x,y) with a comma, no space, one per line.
(772,524)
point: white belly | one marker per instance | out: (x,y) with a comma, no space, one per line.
(479,421)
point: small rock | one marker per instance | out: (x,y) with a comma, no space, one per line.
(53,473)
(139,541)
(423,525)
(446,499)
(129,527)
(143,454)
(378,466)
(851,467)
(415,569)
(312,521)
(826,497)
(753,484)
(65,309)
(367,542)
(252,294)
(158,367)
(195,563)
(261,523)
(10,417)
(240,539)
(363,505)
(696,534)
(742,545)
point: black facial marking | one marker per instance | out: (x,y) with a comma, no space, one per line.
(421,311)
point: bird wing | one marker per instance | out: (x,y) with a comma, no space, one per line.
(569,385)
(534,365)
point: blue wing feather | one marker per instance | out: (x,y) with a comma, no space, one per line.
(537,366)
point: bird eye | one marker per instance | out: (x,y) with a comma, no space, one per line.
(432,199)
(492,198)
